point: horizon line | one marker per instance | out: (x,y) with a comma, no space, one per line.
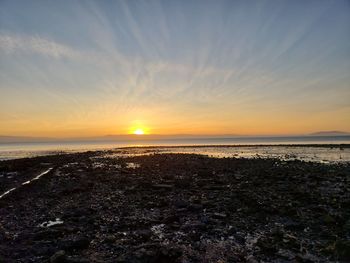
(207,136)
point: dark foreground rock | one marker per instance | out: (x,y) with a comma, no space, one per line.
(175,208)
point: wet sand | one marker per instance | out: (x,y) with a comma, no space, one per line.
(173,208)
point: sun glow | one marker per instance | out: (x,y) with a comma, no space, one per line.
(139,131)
(138,127)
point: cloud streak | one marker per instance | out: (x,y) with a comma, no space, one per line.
(34,44)
(197,60)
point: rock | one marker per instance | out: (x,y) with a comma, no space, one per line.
(291,241)
(181,210)
(267,246)
(251,259)
(219,215)
(151,254)
(77,243)
(346,228)
(305,258)
(195,207)
(180,203)
(286,254)
(215,187)
(142,255)
(163,186)
(144,234)
(58,257)
(168,255)
(195,225)
(171,218)
(77,260)
(208,221)
(292,225)
(75,212)
(47,234)
(110,239)
(277,234)
(328,219)
(342,250)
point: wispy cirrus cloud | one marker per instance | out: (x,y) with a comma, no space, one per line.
(36,44)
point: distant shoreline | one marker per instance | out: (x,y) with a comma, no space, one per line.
(328,145)
(314,152)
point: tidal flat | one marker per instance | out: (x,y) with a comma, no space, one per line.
(93,207)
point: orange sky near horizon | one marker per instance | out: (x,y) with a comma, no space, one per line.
(207,124)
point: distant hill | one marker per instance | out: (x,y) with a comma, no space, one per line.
(330,133)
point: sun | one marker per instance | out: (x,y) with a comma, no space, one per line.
(139,131)
(138,128)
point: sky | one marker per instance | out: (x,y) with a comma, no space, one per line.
(91,68)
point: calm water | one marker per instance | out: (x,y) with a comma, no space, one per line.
(309,153)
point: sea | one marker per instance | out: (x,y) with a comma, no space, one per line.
(325,149)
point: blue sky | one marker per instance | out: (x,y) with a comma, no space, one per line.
(247,67)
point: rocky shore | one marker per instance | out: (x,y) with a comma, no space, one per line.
(173,208)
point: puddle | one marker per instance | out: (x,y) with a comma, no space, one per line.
(132,165)
(43,173)
(8,175)
(7,192)
(158,230)
(96,165)
(51,223)
(26,182)
(71,164)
